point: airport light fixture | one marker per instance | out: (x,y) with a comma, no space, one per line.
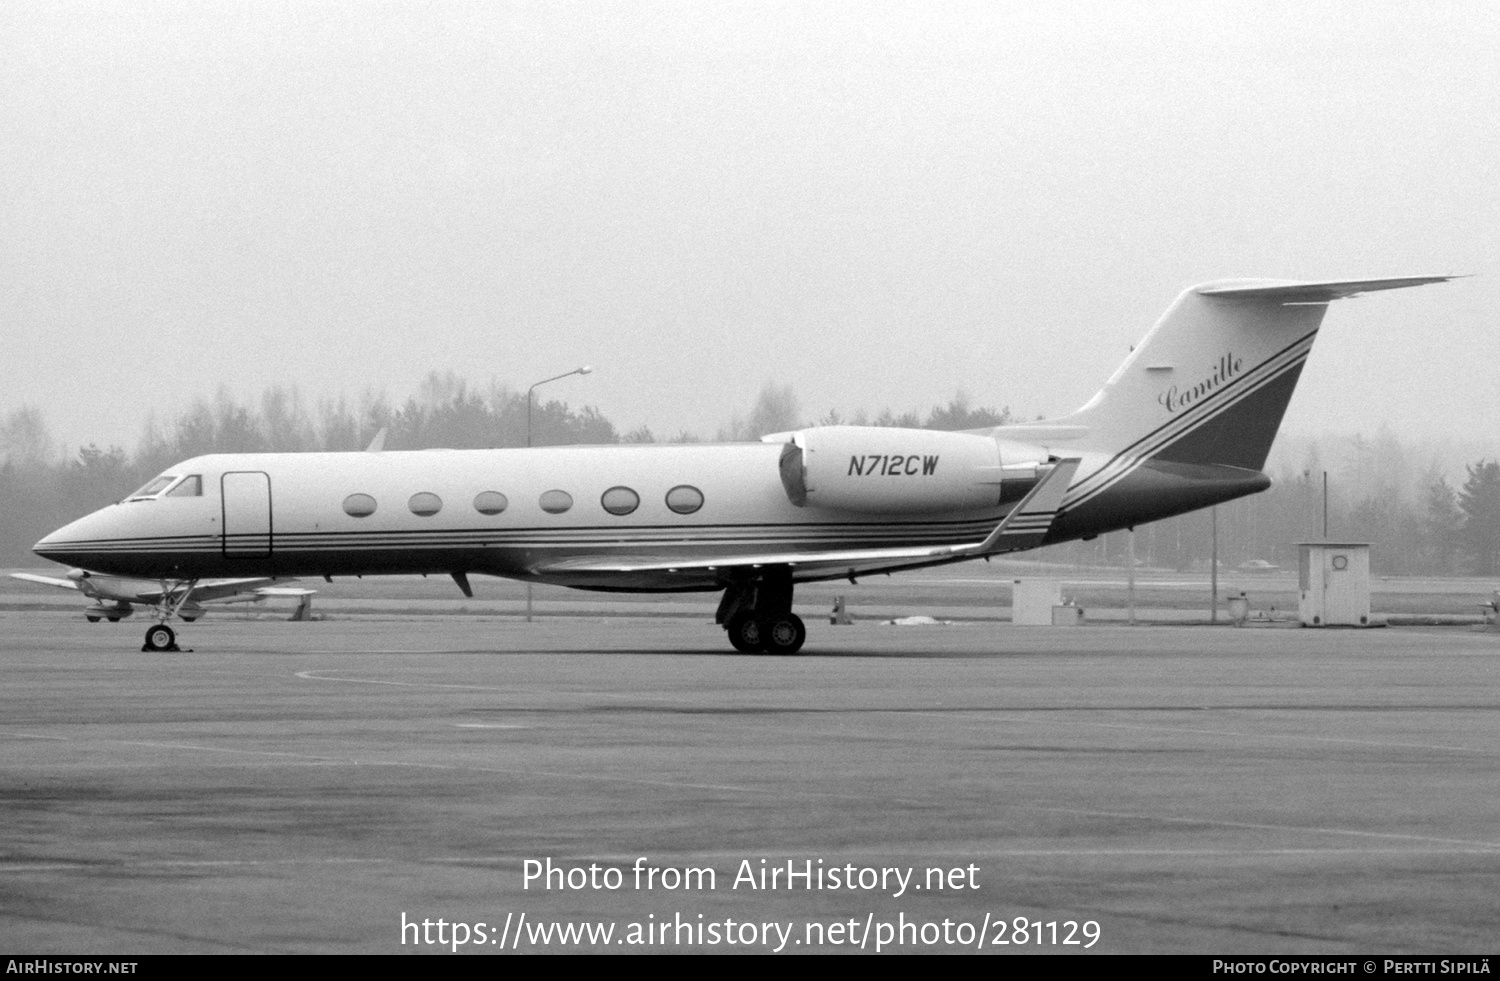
(582,370)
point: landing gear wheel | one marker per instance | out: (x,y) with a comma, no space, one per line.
(188,619)
(160,638)
(747,634)
(113,619)
(91,619)
(784,634)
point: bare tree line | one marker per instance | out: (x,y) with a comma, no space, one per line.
(42,488)
(1381,490)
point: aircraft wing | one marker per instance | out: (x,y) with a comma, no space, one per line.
(1024,527)
(45,580)
(149,591)
(859,560)
(258,595)
(212,589)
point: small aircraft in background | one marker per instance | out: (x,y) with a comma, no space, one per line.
(116,597)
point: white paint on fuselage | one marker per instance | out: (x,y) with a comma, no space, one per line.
(745,511)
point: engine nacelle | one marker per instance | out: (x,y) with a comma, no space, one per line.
(879,470)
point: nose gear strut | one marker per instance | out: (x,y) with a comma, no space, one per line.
(159,636)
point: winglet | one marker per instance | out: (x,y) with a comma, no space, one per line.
(1027,523)
(378,443)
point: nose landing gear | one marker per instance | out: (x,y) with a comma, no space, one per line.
(159,636)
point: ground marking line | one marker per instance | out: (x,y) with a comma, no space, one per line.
(224,749)
(1236,852)
(22,867)
(750,790)
(1266,827)
(1273,735)
(314,675)
(512,771)
(183,863)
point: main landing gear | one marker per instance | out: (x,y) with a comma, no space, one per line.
(758,616)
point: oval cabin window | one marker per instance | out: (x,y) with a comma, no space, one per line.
(425,504)
(359,505)
(490,502)
(684,499)
(556,501)
(620,500)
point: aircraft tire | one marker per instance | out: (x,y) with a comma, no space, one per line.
(160,638)
(784,634)
(113,619)
(747,634)
(188,619)
(91,619)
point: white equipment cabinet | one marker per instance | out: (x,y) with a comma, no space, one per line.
(1333,580)
(1032,601)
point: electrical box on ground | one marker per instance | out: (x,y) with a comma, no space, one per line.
(1032,601)
(1333,582)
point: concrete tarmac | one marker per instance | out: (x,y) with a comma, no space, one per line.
(306,787)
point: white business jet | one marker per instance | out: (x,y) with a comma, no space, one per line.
(1186,422)
(116,597)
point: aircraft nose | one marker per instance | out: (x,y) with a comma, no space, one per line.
(53,544)
(77,543)
(121,539)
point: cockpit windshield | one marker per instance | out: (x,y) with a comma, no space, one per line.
(154,488)
(190,486)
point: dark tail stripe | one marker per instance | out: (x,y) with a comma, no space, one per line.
(1197,415)
(1126,461)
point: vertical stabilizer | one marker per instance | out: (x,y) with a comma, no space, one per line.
(1211,381)
(1188,420)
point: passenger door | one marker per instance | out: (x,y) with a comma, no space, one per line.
(247,514)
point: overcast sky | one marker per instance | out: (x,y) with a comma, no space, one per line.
(877,204)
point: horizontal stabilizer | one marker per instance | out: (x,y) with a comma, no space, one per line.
(1289,291)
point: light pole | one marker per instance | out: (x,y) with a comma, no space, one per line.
(585,369)
(1325,505)
(1213,572)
